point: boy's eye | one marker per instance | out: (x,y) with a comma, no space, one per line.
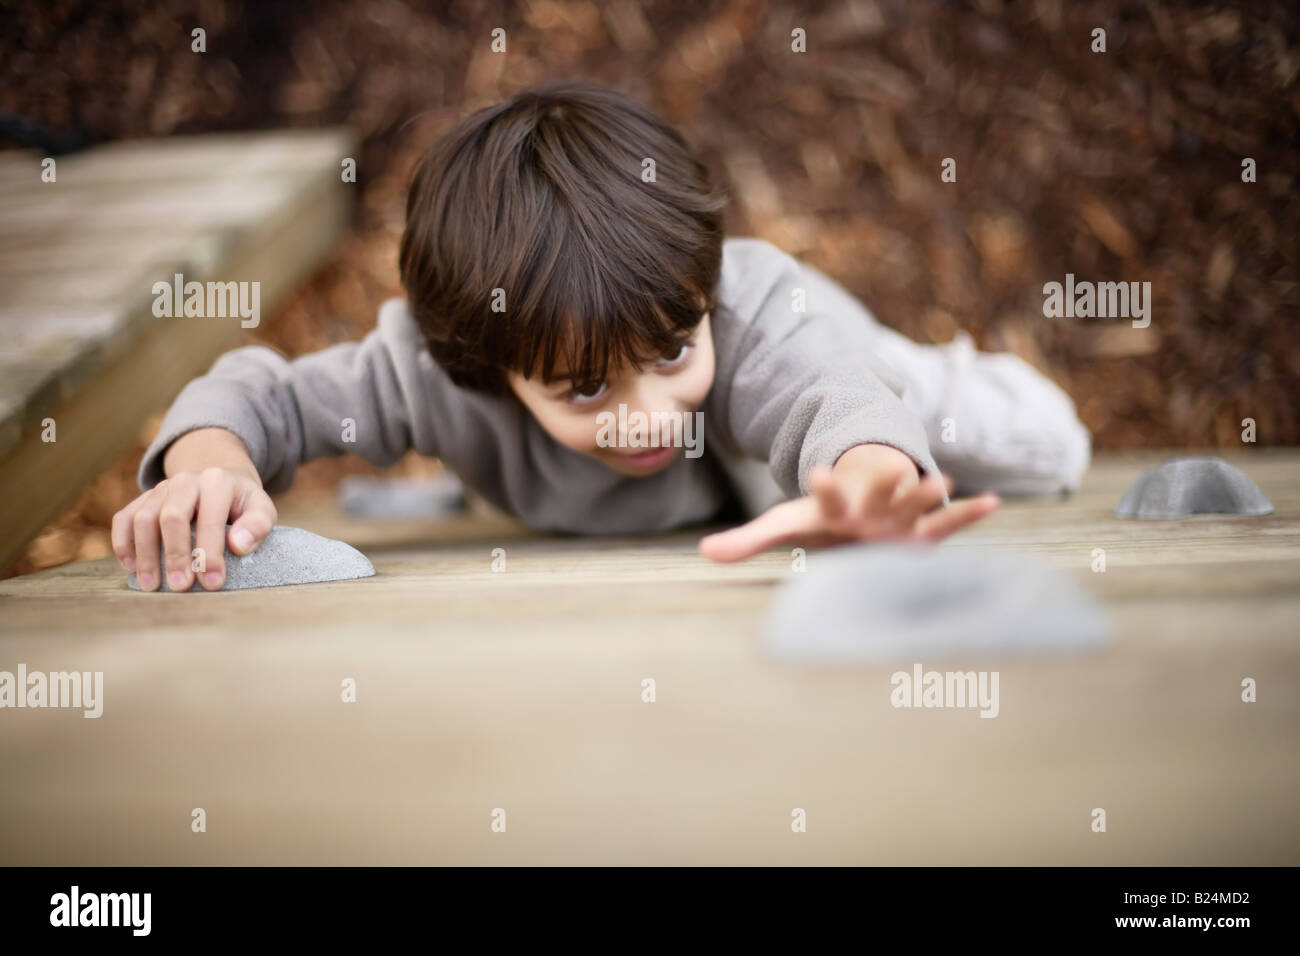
(677,359)
(586,398)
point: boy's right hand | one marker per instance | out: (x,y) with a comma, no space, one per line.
(164,513)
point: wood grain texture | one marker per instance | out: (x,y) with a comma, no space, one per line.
(522,690)
(79,342)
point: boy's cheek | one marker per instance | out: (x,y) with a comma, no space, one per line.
(701,373)
(698,384)
(576,432)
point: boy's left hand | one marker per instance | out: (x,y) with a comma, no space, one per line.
(874,492)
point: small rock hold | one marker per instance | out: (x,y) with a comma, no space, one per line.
(1192,486)
(893,602)
(287,556)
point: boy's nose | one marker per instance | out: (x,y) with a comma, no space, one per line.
(650,397)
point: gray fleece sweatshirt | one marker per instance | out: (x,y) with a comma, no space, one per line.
(792,390)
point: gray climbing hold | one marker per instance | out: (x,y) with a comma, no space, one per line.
(287,556)
(890,602)
(365,496)
(1192,486)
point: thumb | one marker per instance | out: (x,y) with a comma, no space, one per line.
(253,517)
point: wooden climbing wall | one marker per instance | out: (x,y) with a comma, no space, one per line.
(522,690)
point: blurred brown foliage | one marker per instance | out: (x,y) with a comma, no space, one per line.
(1123,165)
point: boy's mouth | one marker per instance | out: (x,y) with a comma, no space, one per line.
(651,458)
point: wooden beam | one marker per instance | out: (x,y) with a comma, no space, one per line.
(101,393)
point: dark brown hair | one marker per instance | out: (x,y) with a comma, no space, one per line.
(542,196)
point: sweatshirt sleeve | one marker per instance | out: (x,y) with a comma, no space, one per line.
(355,397)
(797,389)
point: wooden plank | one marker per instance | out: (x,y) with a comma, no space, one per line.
(78,338)
(124,215)
(521,690)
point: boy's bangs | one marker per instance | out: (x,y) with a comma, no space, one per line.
(580,331)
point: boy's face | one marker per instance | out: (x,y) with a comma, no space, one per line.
(675,383)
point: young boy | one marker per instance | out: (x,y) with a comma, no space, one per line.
(567,281)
